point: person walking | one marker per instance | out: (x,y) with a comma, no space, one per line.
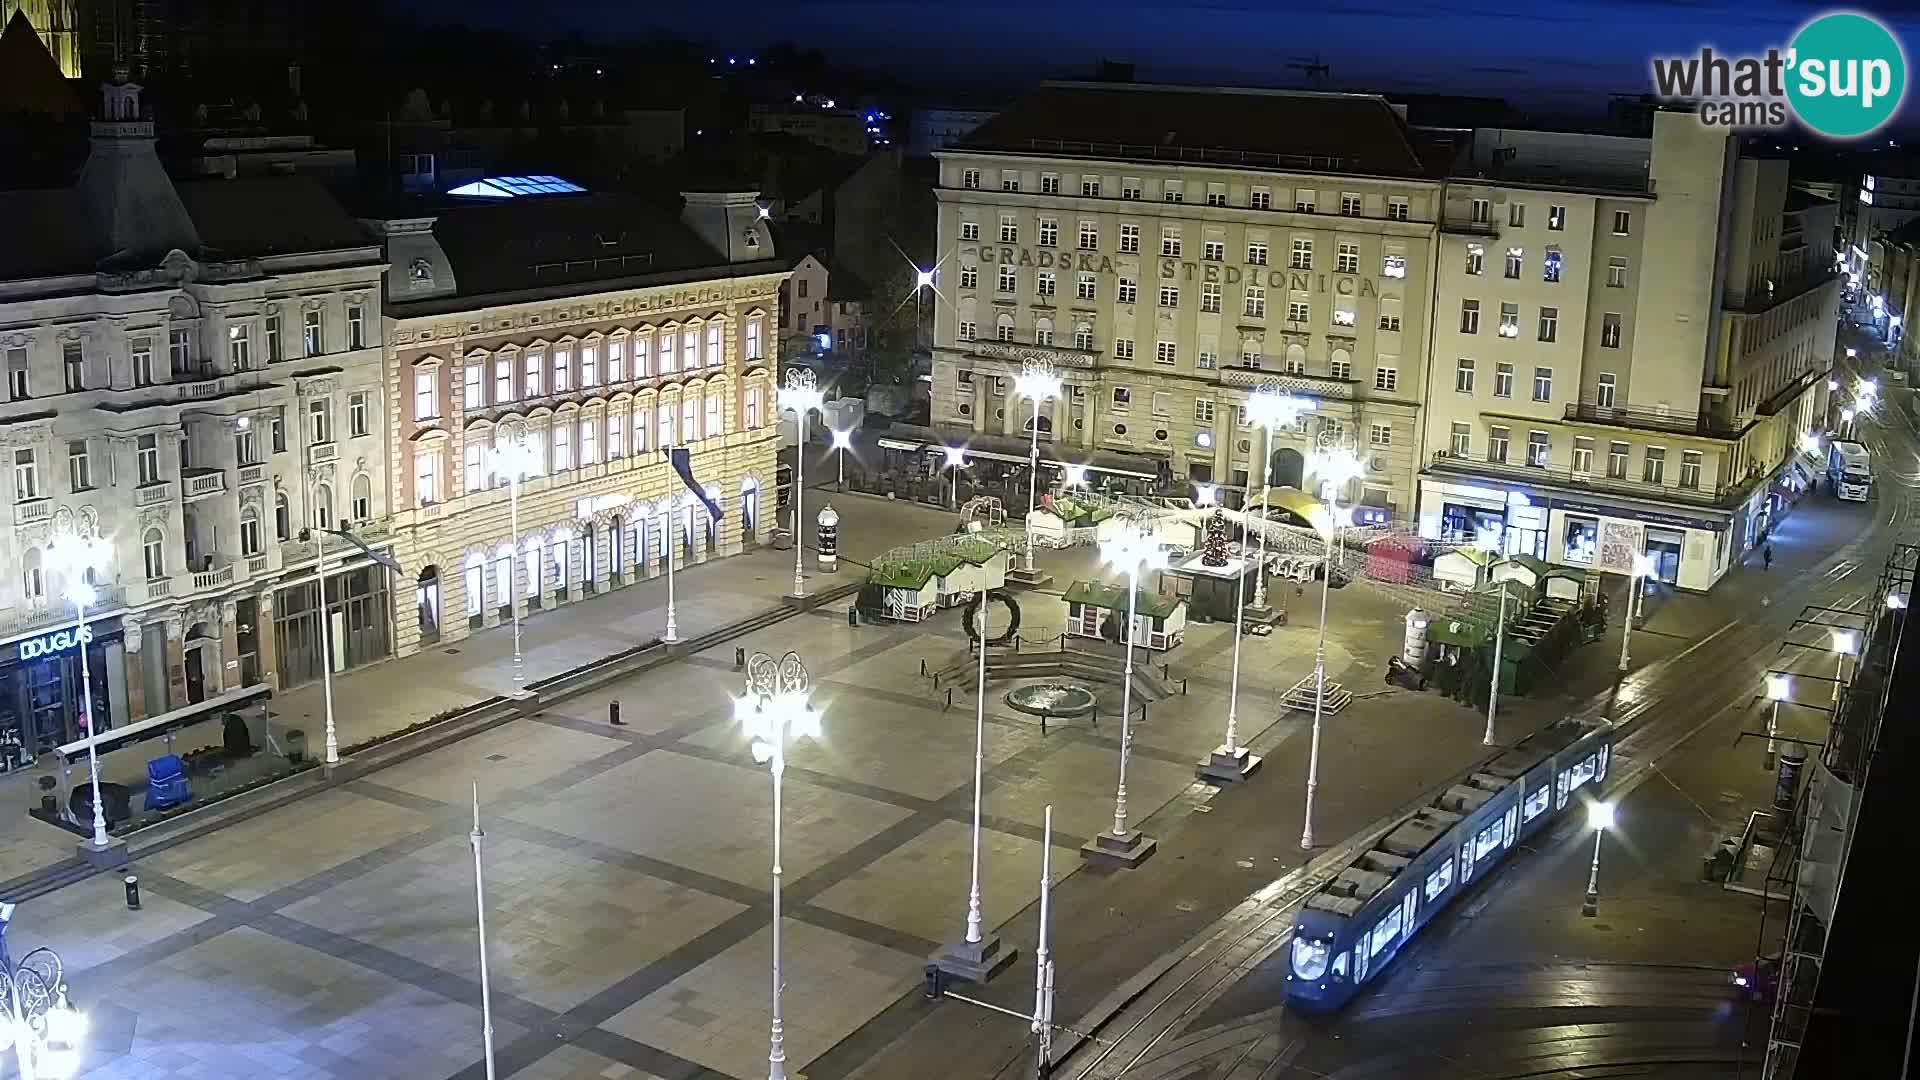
(1766,556)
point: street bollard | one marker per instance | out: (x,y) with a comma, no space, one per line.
(853,616)
(133,893)
(613,713)
(739,659)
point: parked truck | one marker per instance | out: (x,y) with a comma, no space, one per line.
(1849,471)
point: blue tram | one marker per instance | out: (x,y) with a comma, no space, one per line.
(1350,929)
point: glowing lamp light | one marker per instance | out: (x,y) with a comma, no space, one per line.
(1896,601)
(843,440)
(1852,352)
(1036,385)
(956,457)
(922,278)
(1832,385)
(1600,815)
(1778,687)
(1844,642)
(1847,415)
(1271,408)
(1076,476)
(1809,443)
(1204,494)
(1643,565)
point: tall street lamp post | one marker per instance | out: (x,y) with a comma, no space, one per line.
(1642,569)
(1133,551)
(801,396)
(775,708)
(515,459)
(842,442)
(474,839)
(1269,407)
(1493,691)
(975,956)
(1335,466)
(1600,816)
(1844,642)
(1036,383)
(1779,689)
(1231,761)
(75,557)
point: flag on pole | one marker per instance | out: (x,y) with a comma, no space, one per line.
(682,459)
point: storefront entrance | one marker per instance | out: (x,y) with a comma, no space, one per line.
(357,610)
(40,697)
(1664,547)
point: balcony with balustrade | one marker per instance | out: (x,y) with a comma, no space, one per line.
(197,484)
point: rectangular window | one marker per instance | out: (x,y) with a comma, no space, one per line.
(1482,211)
(1469,316)
(1516,262)
(589,440)
(1303,199)
(426,475)
(715,425)
(1003,331)
(1346,259)
(617,353)
(1129,290)
(19,386)
(1085,287)
(1162,404)
(274,352)
(1210,296)
(79,466)
(1582,455)
(1441,879)
(1386,378)
(1463,376)
(1390,322)
(1350,204)
(1616,272)
(1169,296)
(533,367)
(1049,183)
(970,179)
(475,467)
(969,276)
(277,426)
(1083,337)
(424,405)
(1173,191)
(969,230)
(1260,199)
(642,357)
(1302,254)
(1009,279)
(26,476)
(1380,434)
(1654,469)
(142,355)
(473,391)
(1476,260)
(1517,215)
(1009,229)
(74,361)
(357,413)
(1503,380)
(1536,803)
(1203,411)
(589,366)
(1009,180)
(1550,266)
(320,421)
(965,330)
(1690,461)
(1089,236)
(1257,253)
(1299,311)
(1462,445)
(1044,283)
(1049,232)
(1130,187)
(356,326)
(1255,306)
(1393,265)
(147,459)
(1537,449)
(502,380)
(1216,194)
(1622,222)
(1609,330)
(1122,398)
(1344,316)
(1123,348)
(1398,209)
(1509,320)
(1165,352)
(1170,241)
(1617,461)
(1543,384)
(1497,438)
(1090,187)
(562,447)
(312,337)
(1603,392)
(1129,239)
(690,350)
(1556,218)
(1384,933)
(562,370)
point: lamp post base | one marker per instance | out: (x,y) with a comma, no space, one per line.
(1228,768)
(1035,578)
(1124,852)
(112,856)
(1591,905)
(973,961)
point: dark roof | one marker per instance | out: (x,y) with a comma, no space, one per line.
(30,80)
(550,241)
(795,240)
(1276,129)
(268,215)
(1799,199)
(47,233)
(1907,235)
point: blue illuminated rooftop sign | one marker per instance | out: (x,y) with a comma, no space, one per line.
(512,187)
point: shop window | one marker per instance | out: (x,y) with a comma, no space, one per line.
(1582,539)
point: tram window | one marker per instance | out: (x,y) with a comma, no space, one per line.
(1536,804)
(1384,932)
(1466,862)
(1487,840)
(1340,966)
(1583,770)
(1560,789)
(1602,773)
(1438,881)
(1309,957)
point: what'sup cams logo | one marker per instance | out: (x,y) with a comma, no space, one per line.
(1843,76)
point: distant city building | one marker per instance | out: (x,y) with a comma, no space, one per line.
(1883,201)
(822,312)
(1273,238)
(195,37)
(193,372)
(1631,338)
(421,151)
(825,124)
(1894,295)
(934,129)
(57,23)
(595,331)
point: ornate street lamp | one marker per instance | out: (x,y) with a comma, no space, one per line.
(1036,383)
(75,556)
(1132,551)
(801,396)
(1335,466)
(516,459)
(1269,407)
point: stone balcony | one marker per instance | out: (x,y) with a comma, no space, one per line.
(321,453)
(196,484)
(32,511)
(153,494)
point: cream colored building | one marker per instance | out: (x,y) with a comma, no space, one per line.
(1631,337)
(1169,249)
(597,330)
(192,372)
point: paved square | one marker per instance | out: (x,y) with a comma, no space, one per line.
(245,1004)
(716,1014)
(528,754)
(1079,781)
(573,1063)
(253,858)
(92,926)
(933,869)
(711,817)
(561,927)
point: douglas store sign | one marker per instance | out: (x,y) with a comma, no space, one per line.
(57,642)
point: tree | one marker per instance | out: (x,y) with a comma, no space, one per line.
(1213,549)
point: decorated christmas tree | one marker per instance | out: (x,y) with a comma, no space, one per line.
(1213,549)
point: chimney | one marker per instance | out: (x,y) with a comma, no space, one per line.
(732,223)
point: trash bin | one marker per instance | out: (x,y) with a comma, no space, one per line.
(296,746)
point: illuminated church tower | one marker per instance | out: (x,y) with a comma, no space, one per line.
(57,22)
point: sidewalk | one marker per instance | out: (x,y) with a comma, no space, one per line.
(393,695)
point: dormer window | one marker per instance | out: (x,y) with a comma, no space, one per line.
(421,272)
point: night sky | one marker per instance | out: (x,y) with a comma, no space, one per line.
(1548,54)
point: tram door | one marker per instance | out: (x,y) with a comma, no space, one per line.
(1409,906)
(1362,952)
(1513,826)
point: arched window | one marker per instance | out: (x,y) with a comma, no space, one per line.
(1003,327)
(250,544)
(1043,331)
(33,580)
(323,506)
(362,498)
(282,517)
(153,551)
